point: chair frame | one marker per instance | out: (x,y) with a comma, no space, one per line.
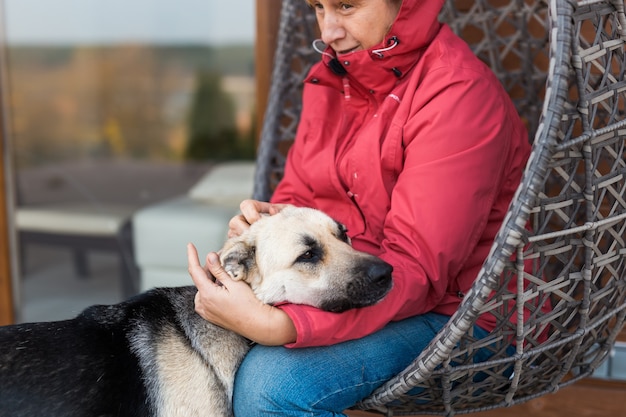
(564,65)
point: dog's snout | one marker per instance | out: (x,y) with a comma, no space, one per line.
(369,282)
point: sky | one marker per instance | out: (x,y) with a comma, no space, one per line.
(113,21)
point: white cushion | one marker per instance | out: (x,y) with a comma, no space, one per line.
(226,183)
(161,232)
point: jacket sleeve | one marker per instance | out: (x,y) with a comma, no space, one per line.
(456,150)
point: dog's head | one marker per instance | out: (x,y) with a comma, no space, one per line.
(302,256)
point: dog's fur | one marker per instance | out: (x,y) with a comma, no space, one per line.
(154,356)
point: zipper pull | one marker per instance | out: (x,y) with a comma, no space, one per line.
(346,88)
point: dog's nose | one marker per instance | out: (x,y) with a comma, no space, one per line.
(379,273)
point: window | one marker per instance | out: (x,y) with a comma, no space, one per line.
(122,104)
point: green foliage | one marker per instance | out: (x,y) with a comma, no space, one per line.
(129,100)
(212,130)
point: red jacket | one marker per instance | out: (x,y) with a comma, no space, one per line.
(419,153)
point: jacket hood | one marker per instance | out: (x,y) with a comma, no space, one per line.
(379,67)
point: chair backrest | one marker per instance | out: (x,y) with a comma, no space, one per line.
(563,64)
(293,57)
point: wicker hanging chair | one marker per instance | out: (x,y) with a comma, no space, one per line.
(563,64)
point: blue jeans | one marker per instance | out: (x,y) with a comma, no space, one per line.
(325,381)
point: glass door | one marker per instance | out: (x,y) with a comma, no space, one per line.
(115,106)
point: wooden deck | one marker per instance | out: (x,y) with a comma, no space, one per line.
(588,398)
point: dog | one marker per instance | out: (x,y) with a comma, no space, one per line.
(154,356)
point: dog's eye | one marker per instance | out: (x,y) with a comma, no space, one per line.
(308,256)
(311,251)
(343,233)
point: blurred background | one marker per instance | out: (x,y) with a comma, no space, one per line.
(115,106)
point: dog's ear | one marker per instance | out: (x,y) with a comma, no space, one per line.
(238,257)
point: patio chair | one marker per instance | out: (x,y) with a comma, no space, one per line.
(563,64)
(82,224)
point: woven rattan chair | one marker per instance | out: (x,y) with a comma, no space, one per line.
(563,64)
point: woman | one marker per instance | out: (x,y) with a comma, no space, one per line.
(409,140)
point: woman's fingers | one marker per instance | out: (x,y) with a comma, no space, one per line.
(200,277)
(215,268)
(251,211)
(237,225)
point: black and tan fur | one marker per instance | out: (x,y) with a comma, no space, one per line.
(152,355)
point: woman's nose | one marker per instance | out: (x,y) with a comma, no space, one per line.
(331,29)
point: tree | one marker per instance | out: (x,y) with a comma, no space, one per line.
(212,130)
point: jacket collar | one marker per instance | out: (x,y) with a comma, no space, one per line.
(378,69)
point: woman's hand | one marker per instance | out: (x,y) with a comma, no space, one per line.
(232,304)
(251,211)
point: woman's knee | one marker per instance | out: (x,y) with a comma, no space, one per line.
(288,382)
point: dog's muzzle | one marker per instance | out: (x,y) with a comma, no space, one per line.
(369,284)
